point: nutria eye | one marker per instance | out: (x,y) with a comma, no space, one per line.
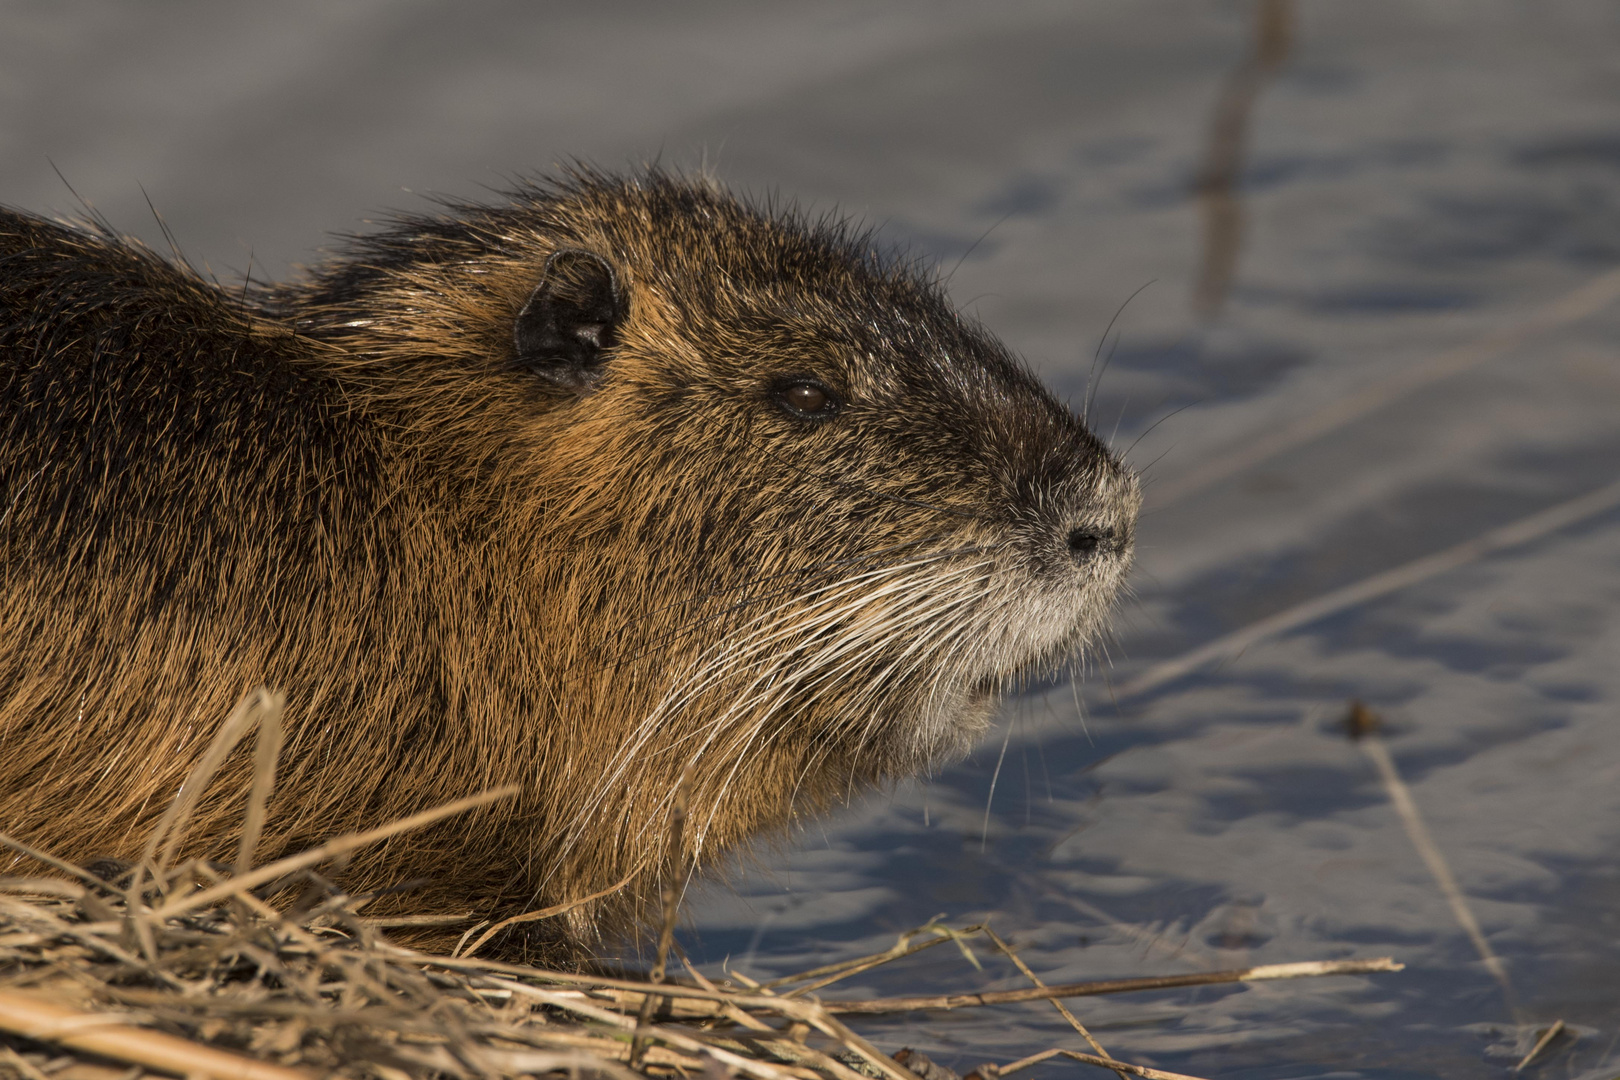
(808,399)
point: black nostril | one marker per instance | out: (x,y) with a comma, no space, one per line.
(1083,543)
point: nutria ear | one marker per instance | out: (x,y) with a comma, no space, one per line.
(570,320)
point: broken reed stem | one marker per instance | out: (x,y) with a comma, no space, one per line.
(1063,1009)
(1115,986)
(329,850)
(670,894)
(161,844)
(843,968)
(1364,726)
(1542,1043)
(110,1036)
(266,753)
(1122,1068)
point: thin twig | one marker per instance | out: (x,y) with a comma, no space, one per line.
(832,973)
(1032,977)
(1114,986)
(1365,725)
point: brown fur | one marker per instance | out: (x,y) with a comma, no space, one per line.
(464,575)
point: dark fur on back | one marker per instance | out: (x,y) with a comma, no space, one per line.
(466,570)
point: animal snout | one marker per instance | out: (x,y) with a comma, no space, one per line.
(1086,541)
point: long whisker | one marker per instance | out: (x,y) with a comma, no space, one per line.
(878,637)
(857,711)
(1156,423)
(862,648)
(797,572)
(691,626)
(1094,378)
(770,634)
(769,631)
(770,688)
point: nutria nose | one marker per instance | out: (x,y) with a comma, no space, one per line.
(1084,543)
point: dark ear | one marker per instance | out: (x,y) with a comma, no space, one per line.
(570,320)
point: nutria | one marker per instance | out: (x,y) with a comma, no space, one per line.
(612,480)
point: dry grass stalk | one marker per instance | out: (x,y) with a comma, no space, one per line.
(831,973)
(1123,1068)
(266,753)
(331,995)
(325,853)
(675,874)
(108,1035)
(1132,1070)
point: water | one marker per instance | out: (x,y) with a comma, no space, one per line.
(1419,177)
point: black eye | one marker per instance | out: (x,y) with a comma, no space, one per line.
(808,399)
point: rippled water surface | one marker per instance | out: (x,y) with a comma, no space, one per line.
(1430,204)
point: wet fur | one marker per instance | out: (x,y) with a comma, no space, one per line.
(462,576)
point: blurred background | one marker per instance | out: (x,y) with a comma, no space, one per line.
(1359,259)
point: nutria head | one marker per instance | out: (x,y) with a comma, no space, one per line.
(670,485)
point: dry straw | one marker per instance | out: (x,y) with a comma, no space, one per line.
(185,969)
